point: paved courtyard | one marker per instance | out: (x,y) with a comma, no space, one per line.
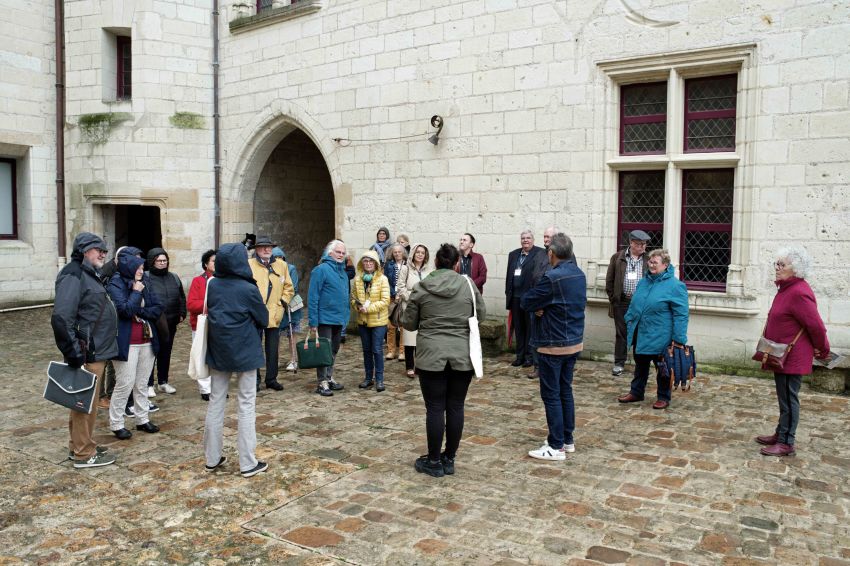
(644,487)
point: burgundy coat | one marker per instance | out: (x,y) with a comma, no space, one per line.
(477,271)
(794,307)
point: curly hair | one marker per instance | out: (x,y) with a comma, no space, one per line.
(798,259)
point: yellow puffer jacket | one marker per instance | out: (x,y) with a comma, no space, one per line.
(377,309)
(281,291)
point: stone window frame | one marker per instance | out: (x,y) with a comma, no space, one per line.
(251,14)
(123,77)
(675,69)
(13,201)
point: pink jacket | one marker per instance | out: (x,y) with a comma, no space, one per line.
(795,307)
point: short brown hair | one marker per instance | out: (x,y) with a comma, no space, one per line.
(663,254)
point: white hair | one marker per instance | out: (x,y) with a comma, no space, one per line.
(526,231)
(332,244)
(798,259)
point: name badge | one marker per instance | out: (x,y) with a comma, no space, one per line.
(631,276)
(518,272)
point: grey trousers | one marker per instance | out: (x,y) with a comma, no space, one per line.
(788,395)
(333,332)
(246,400)
(131,376)
(621,352)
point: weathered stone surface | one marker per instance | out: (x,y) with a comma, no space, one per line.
(313,537)
(607,555)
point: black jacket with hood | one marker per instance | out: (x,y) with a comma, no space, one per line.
(168,288)
(128,303)
(82,311)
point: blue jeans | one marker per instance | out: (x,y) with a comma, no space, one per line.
(787,392)
(642,362)
(556,390)
(372,340)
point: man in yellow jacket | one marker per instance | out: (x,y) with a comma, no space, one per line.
(272,277)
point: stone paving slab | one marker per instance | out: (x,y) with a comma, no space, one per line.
(682,486)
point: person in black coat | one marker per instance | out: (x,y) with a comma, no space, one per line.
(169,289)
(237,317)
(522,263)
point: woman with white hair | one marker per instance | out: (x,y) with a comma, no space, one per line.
(793,319)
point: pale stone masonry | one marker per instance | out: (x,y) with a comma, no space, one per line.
(530,94)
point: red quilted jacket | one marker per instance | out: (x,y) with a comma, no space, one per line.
(794,307)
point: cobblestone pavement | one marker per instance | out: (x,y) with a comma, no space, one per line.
(686,485)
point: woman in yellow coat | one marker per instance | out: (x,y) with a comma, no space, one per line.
(370,297)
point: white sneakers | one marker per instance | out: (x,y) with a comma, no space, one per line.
(293,366)
(151,391)
(166,388)
(618,369)
(546,452)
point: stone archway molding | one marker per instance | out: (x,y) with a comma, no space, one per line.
(252,147)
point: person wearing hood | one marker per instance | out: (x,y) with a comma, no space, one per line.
(439,308)
(195,306)
(382,242)
(290,324)
(84,325)
(108,382)
(237,316)
(412,272)
(169,289)
(328,308)
(370,297)
(275,285)
(138,309)
(657,316)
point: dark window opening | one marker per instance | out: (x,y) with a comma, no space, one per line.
(707,197)
(138,226)
(643,119)
(642,206)
(8,200)
(124,68)
(710,105)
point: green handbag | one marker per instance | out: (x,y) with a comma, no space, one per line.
(314,353)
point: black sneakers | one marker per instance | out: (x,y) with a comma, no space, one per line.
(260,467)
(217,466)
(425,466)
(448,464)
(323,389)
(335,386)
(148,427)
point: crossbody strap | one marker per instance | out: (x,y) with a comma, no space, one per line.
(206,293)
(472,292)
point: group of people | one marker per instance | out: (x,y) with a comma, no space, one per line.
(247,300)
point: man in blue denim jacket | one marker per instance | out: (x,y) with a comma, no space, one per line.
(558,301)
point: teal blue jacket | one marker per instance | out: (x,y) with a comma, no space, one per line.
(658,313)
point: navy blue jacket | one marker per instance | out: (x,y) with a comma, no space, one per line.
(562,295)
(392,276)
(515,289)
(658,313)
(328,294)
(128,303)
(237,313)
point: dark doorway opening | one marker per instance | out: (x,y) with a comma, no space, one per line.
(135,225)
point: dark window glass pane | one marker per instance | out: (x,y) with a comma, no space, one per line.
(642,197)
(645,138)
(706,256)
(714,133)
(263,4)
(705,95)
(708,196)
(644,100)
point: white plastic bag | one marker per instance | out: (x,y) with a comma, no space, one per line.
(198,368)
(475,354)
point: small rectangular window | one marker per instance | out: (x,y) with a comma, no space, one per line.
(707,197)
(8,200)
(266,4)
(710,105)
(124,73)
(642,206)
(643,118)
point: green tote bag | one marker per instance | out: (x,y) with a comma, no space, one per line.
(314,353)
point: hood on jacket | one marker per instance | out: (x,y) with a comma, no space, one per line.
(152,253)
(84,242)
(444,283)
(413,252)
(128,250)
(387,231)
(128,265)
(232,261)
(372,254)
(278,252)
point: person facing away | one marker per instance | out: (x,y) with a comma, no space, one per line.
(237,315)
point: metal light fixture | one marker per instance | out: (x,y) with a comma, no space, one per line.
(437,122)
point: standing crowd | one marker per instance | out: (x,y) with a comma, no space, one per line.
(119,320)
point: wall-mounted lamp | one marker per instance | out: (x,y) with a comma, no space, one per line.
(437,122)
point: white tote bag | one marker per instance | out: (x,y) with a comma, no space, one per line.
(475,337)
(198,368)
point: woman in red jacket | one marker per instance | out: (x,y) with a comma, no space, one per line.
(794,311)
(195,306)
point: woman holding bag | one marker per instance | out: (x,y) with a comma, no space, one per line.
(439,308)
(195,306)
(411,274)
(793,319)
(370,297)
(395,343)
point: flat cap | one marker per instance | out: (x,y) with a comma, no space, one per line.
(639,235)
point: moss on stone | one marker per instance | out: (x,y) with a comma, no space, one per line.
(97,127)
(187,121)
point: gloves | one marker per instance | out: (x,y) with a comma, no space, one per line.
(76,362)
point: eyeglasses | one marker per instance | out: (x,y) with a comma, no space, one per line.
(780,265)
(638,243)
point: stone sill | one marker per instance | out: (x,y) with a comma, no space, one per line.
(14,245)
(271,16)
(700,302)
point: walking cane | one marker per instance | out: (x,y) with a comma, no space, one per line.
(292,354)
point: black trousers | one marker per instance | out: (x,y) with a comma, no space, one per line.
(163,357)
(410,357)
(621,351)
(444,393)
(521,322)
(271,339)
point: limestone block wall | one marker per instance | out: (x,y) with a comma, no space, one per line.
(28,263)
(529,108)
(154,149)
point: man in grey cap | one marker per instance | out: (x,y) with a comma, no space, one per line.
(85,326)
(625,270)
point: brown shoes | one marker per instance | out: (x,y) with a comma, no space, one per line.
(103,403)
(629,398)
(768,440)
(778,449)
(660,404)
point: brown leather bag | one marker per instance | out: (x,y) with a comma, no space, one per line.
(772,354)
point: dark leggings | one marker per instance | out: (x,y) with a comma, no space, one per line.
(444,393)
(163,356)
(409,357)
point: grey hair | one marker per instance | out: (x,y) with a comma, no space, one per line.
(561,246)
(389,252)
(663,254)
(332,244)
(554,230)
(526,231)
(799,259)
